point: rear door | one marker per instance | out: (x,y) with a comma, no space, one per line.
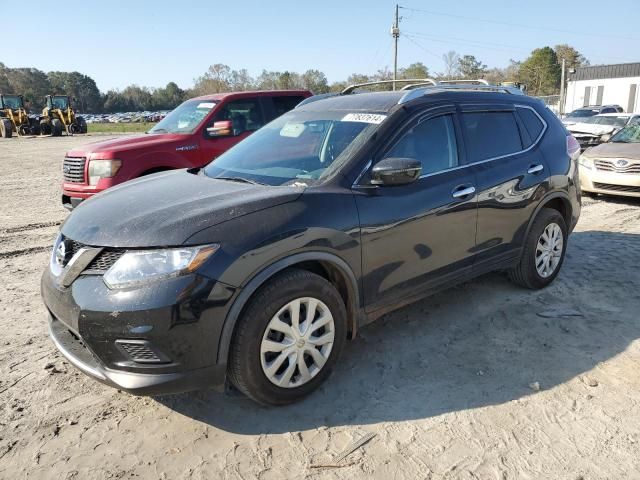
(502,141)
(418,236)
(247,115)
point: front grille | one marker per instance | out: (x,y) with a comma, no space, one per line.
(101,263)
(616,188)
(104,261)
(73,169)
(610,166)
(140,351)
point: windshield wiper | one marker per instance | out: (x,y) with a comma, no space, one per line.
(240,180)
(158,130)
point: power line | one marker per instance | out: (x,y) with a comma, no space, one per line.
(518,25)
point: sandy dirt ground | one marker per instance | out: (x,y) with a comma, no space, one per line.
(485,381)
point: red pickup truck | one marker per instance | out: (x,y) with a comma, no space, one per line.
(192,135)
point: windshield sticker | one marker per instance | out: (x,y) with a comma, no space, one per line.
(364,118)
(207,105)
(293,130)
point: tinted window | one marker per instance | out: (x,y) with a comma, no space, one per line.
(490,134)
(609,110)
(283,104)
(532,123)
(433,142)
(245,114)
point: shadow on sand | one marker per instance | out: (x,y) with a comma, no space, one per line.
(479,344)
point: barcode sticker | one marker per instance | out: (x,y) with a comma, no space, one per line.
(374,118)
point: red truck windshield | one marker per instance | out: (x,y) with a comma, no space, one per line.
(186,118)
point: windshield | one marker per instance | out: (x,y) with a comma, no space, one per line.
(297,148)
(615,121)
(630,134)
(186,118)
(12,102)
(60,102)
(584,112)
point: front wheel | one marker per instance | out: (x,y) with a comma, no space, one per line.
(543,252)
(6,128)
(288,338)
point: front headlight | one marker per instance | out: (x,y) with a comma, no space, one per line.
(586,162)
(144,266)
(605,138)
(102,169)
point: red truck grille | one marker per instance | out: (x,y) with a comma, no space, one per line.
(73,169)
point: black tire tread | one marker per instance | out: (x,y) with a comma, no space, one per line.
(254,307)
(524,273)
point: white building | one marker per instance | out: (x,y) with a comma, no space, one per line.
(604,85)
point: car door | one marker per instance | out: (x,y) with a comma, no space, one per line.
(420,235)
(247,116)
(510,171)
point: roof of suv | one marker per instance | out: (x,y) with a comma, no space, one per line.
(386,101)
(254,93)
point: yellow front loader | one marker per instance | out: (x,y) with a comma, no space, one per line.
(14,117)
(58,116)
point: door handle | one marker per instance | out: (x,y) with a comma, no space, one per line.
(463,192)
(535,169)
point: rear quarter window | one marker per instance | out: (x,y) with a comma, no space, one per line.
(532,123)
(285,103)
(490,134)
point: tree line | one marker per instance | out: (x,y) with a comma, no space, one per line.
(541,72)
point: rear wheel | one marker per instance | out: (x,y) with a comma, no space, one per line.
(288,338)
(6,128)
(45,128)
(56,127)
(24,130)
(82,125)
(543,252)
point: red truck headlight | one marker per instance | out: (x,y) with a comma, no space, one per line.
(102,169)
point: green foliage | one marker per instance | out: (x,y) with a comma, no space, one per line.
(541,72)
(471,68)
(572,57)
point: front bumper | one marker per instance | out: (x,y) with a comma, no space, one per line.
(608,182)
(73,349)
(159,339)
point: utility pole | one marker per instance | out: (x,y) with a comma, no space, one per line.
(395,33)
(562,88)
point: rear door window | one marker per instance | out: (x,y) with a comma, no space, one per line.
(490,134)
(531,122)
(285,103)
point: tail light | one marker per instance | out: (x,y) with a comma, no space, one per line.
(573,147)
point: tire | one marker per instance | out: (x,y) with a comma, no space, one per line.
(56,127)
(35,128)
(24,130)
(251,356)
(6,128)
(45,128)
(527,273)
(82,124)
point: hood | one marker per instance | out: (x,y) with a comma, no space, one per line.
(127,143)
(592,129)
(630,151)
(166,209)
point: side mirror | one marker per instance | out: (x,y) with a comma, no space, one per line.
(223,128)
(396,171)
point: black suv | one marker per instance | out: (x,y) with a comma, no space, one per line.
(259,266)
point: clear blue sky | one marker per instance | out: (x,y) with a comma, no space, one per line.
(153,42)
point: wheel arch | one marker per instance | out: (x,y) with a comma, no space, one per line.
(327,265)
(558,201)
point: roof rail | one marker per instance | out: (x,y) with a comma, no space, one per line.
(478,81)
(418,92)
(351,88)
